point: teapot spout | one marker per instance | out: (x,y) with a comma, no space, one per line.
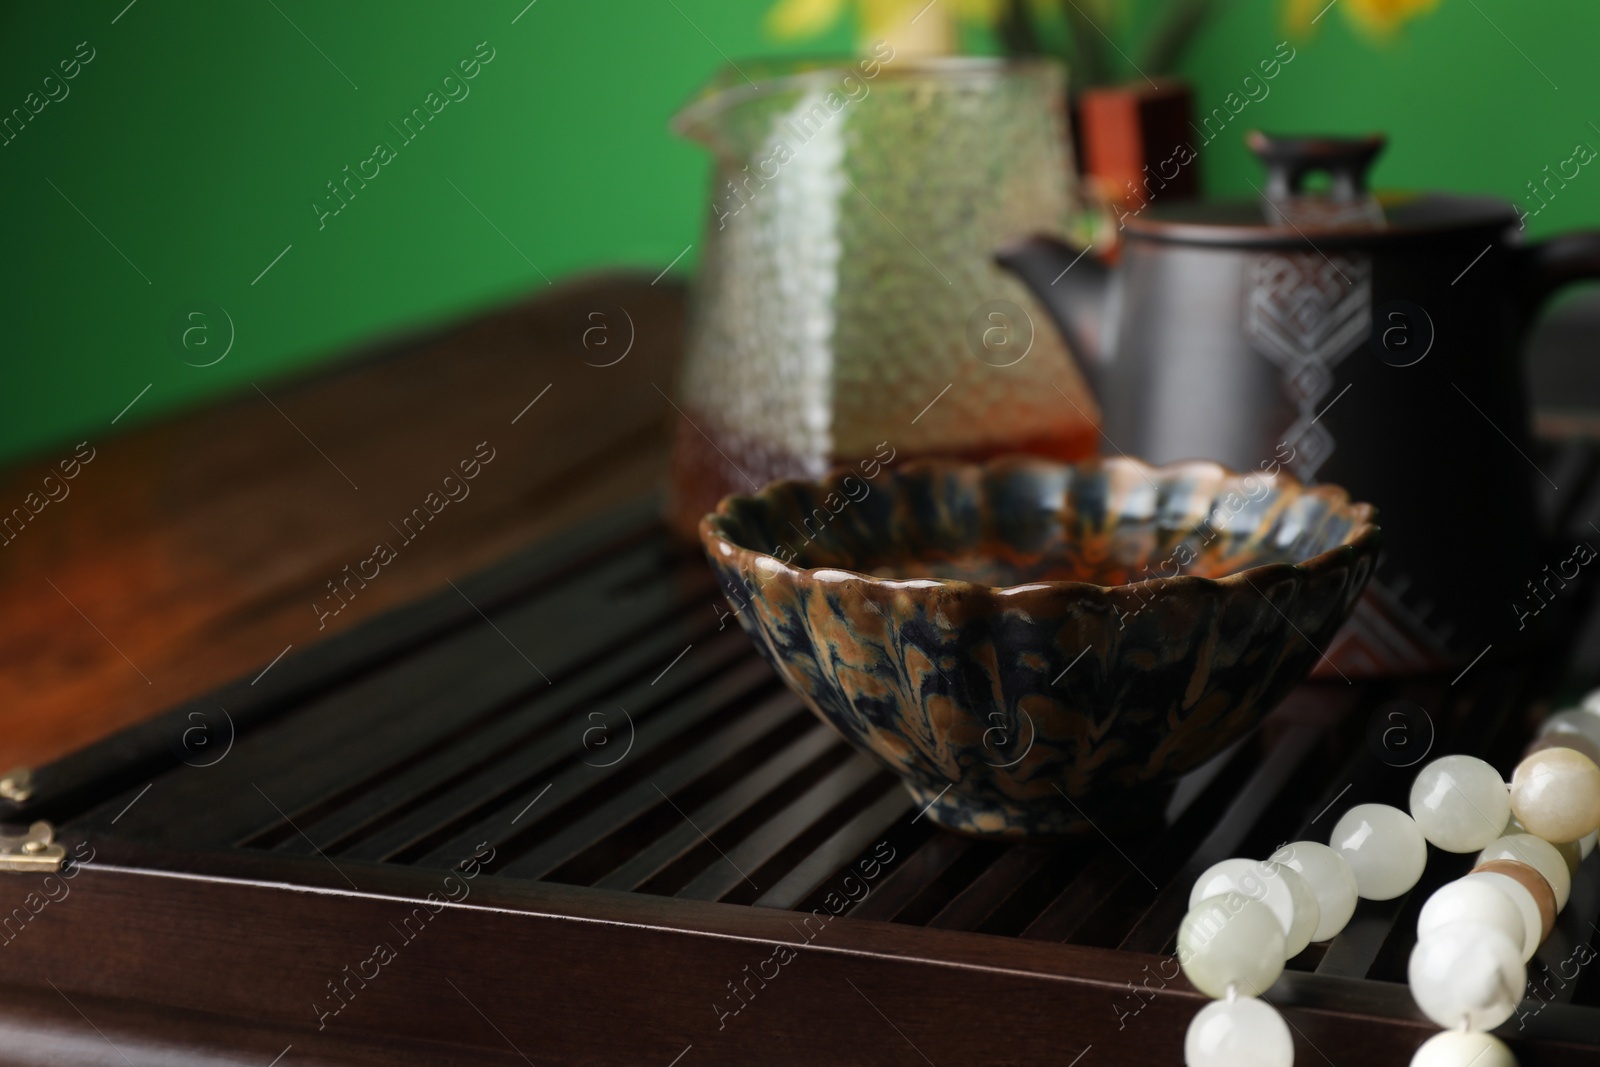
(1072,286)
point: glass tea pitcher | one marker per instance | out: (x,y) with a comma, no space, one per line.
(848,308)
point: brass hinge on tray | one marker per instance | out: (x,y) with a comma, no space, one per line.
(17,785)
(34,851)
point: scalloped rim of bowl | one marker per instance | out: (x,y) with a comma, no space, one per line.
(1364,535)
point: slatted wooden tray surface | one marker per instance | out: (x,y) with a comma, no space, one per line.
(662,812)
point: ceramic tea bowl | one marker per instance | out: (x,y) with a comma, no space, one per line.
(1040,648)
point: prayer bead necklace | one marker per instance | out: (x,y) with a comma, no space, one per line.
(1474,935)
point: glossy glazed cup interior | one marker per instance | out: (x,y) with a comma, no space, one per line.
(1035,647)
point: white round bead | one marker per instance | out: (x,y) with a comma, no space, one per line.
(1555,793)
(1527,907)
(1458,1048)
(1238,1033)
(1460,803)
(1478,901)
(1571,851)
(1585,722)
(1329,877)
(1537,853)
(1384,848)
(1586,844)
(1284,891)
(1307,910)
(1231,940)
(1467,973)
(1591,702)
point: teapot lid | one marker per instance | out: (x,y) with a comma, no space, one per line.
(1345,213)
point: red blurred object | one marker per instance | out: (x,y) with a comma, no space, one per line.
(1138,143)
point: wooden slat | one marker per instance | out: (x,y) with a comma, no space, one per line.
(433,767)
(773,835)
(581,829)
(711,816)
(1200,781)
(915,873)
(1096,880)
(990,889)
(354,731)
(845,844)
(475,810)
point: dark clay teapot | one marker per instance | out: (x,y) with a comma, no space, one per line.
(1367,340)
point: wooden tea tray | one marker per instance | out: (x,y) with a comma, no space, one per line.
(662,835)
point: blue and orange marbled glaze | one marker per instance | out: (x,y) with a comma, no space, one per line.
(983,629)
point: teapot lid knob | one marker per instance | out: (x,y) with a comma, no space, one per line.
(1289,159)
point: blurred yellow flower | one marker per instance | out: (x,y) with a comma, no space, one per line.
(876,19)
(789,19)
(1385,16)
(1379,19)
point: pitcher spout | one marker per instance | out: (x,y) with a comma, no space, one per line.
(740,110)
(1072,285)
(708,120)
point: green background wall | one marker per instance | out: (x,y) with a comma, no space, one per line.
(200,134)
